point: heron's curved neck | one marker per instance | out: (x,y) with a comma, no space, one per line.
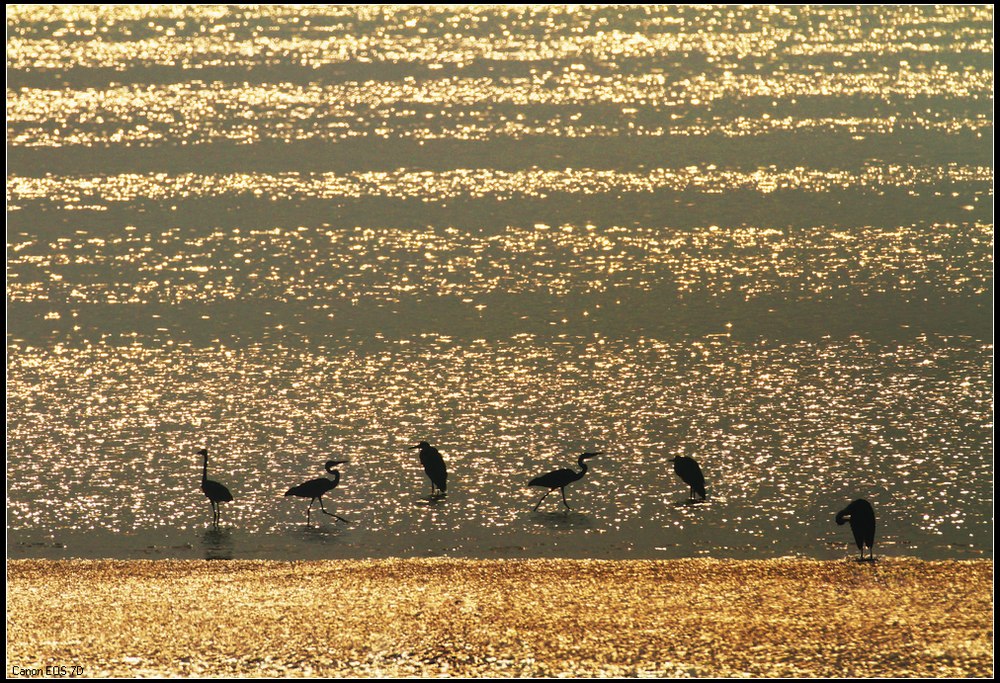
(204,471)
(336,476)
(582,464)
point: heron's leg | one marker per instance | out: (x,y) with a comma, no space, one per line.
(563,492)
(330,513)
(541,499)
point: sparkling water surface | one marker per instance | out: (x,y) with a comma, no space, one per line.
(761,237)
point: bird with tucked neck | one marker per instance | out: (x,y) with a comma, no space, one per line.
(433,464)
(690,473)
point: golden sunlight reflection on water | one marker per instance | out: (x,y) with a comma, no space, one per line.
(760,236)
(780,430)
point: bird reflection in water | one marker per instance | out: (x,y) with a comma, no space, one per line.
(432,501)
(567,519)
(217,544)
(315,533)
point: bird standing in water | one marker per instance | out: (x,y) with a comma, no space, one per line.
(689,472)
(559,479)
(861,515)
(433,464)
(315,488)
(216,492)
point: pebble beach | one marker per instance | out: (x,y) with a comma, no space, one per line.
(500,618)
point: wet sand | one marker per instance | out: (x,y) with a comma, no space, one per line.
(497,618)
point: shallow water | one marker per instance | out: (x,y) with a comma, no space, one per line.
(761,237)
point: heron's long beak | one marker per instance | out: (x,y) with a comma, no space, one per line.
(412,447)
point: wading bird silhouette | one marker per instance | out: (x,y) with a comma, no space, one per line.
(689,472)
(861,515)
(560,478)
(216,492)
(315,488)
(433,464)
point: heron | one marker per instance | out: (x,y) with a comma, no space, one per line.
(315,488)
(559,479)
(433,464)
(861,515)
(216,492)
(689,472)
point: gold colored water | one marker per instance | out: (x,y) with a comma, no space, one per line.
(760,236)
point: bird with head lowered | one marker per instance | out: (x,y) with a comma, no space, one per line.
(690,473)
(861,516)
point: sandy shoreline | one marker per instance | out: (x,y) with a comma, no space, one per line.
(694,617)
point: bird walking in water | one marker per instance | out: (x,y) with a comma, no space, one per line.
(315,488)
(216,492)
(861,515)
(559,479)
(433,464)
(689,472)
